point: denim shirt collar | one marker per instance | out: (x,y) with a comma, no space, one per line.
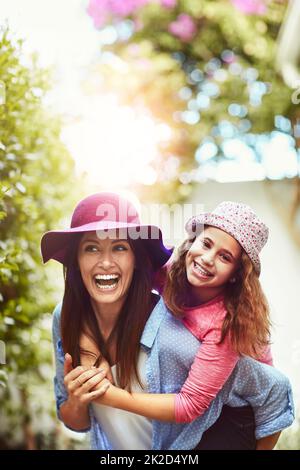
(149,334)
(153,324)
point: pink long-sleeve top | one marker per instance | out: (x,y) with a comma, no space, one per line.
(213,363)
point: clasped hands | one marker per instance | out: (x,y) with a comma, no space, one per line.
(86,383)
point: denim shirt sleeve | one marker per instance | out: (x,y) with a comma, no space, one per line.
(267,390)
(61,394)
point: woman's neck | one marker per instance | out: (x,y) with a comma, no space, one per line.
(107,316)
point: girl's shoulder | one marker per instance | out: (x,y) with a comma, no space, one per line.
(205,319)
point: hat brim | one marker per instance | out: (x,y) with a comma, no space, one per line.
(54,244)
(214,220)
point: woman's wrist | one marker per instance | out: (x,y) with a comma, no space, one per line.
(76,406)
(74,415)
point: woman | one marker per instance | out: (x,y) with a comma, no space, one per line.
(108,299)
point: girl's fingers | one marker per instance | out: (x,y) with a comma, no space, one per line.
(88,397)
(101,390)
(110,377)
(105,366)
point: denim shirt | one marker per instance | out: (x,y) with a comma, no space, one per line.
(171,349)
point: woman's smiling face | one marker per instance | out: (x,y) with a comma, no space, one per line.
(106,266)
(212,260)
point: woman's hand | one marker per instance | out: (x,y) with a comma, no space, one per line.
(80,383)
(268,442)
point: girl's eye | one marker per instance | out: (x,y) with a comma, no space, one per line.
(205,243)
(225,257)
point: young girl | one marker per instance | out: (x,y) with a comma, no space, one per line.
(213,285)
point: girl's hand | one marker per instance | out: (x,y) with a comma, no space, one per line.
(102,387)
(104,365)
(108,397)
(81,382)
(90,355)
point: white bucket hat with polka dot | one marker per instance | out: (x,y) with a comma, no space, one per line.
(239,221)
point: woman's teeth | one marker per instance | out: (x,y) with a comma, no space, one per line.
(106,281)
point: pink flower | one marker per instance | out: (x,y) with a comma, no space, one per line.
(125,8)
(168,3)
(251,7)
(184,27)
(138,24)
(103,10)
(98,11)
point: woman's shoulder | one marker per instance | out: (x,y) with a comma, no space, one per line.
(155,298)
(56,332)
(157,304)
(57,310)
(56,319)
(158,312)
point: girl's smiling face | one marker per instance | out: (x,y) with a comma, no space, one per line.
(211,262)
(106,266)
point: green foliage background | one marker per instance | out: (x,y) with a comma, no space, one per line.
(36,192)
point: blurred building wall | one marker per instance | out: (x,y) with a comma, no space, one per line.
(280,268)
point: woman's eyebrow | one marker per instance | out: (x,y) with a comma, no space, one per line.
(90,240)
(95,240)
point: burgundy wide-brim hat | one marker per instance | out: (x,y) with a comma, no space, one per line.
(105,211)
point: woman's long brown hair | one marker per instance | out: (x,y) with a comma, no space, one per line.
(77,315)
(247,320)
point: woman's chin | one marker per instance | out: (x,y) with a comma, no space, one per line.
(107,296)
